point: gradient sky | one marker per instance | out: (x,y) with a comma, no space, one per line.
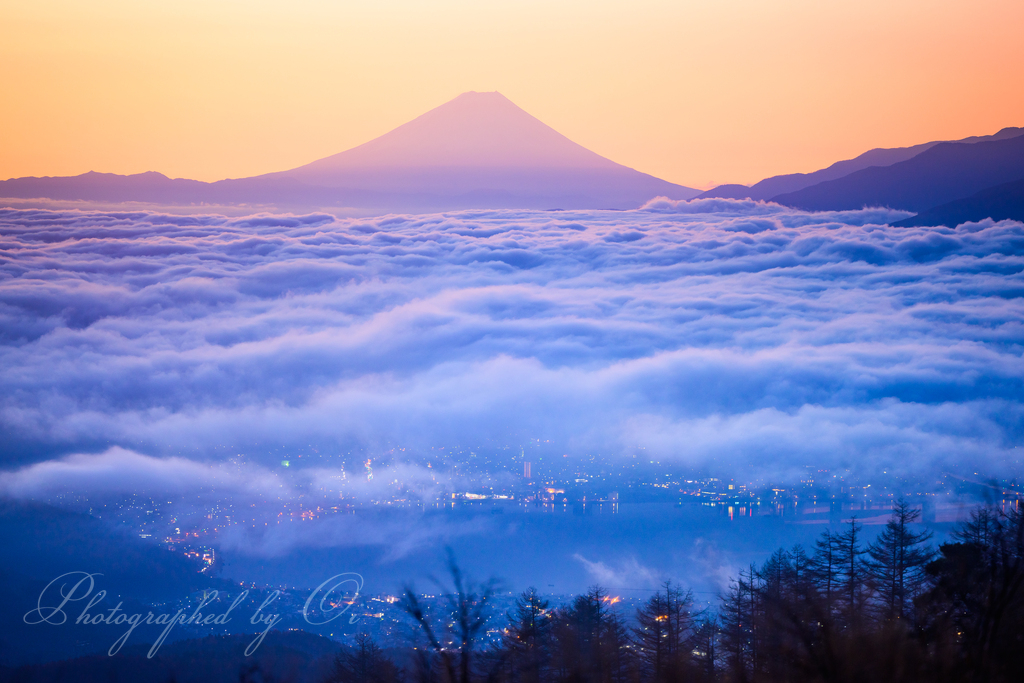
(696,92)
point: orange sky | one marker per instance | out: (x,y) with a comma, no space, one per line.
(696,92)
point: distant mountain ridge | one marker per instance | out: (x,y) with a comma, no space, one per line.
(942,173)
(140,187)
(945,182)
(477,151)
(769,188)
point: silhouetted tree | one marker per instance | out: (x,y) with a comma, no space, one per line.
(741,610)
(898,558)
(705,645)
(527,640)
(452,640)
(825,569)
(363,662)
(977,598)
(664,634)
(801,573)
(591,642)
(852,572)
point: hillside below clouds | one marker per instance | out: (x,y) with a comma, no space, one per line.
(477,151)
(999,203)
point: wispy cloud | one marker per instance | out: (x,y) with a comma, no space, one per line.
(625,573)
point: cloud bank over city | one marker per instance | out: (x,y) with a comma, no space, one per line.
(734,336)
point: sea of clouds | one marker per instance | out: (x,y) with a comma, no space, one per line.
(147,352)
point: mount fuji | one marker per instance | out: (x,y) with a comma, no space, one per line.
(477,151)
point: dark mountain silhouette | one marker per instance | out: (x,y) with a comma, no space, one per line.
(943,173)
(294,656)
(478,150)
(39,542)
(793,182)
(998,203)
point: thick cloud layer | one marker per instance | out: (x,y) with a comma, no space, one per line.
(721,334)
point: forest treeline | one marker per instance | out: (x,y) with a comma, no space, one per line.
(892,610)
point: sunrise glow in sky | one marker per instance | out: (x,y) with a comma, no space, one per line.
(695,92)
